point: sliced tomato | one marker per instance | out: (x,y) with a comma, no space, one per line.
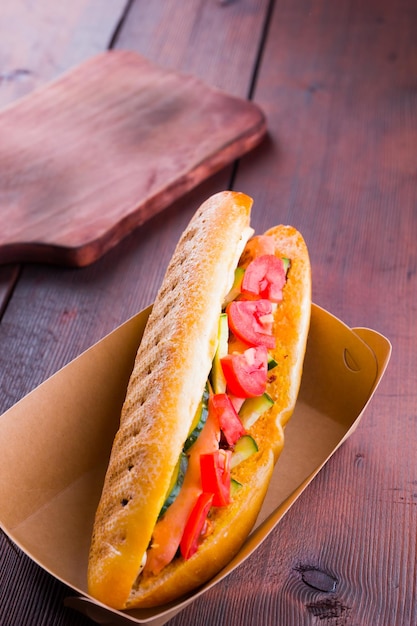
(215,475)
(264,278)
(170,527)
(195,524)
(246,373)
(237,402)
(229,420)
(257,246)
(251,321)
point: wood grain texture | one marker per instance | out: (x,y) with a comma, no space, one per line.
(219,41)
(40,40)
(96,153)
(9,275)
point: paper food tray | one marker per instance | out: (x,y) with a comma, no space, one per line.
(55,443)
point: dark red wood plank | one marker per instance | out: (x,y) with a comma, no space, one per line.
(218,41)
(9,275)
(41,40)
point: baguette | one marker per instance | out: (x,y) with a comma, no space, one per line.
(164,394)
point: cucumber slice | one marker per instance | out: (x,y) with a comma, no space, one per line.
(235,485)
(244,448)
(199,420)
(287,263)
(236,287)
(271,362)
(218,379)
(176,482)
(253,408)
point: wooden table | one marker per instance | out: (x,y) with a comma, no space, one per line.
(337,83)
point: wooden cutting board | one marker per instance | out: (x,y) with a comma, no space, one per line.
(91,156)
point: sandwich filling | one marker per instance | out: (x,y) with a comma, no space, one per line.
(234,398)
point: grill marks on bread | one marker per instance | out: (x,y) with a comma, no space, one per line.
(232,524)
(170,371)
(150,366)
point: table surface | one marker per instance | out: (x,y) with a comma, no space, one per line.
(337,82)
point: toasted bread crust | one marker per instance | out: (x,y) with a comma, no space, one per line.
(171,369)
(291,324)
(164,390)
(232,524)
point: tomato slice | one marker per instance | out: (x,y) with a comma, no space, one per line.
(264,278)
(251,321)
(246,373)
(237,402)
(229,420)
(170,528)
(215,476)
(195,524)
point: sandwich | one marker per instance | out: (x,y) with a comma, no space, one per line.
(215,380)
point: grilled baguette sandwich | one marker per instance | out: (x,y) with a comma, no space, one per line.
(162,529)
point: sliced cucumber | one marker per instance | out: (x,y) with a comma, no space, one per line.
(235,485)
(271,362)
(244,448)
(253,408)
(176,482)
(218,379)
(236,287)
(199,420)
(287,263)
